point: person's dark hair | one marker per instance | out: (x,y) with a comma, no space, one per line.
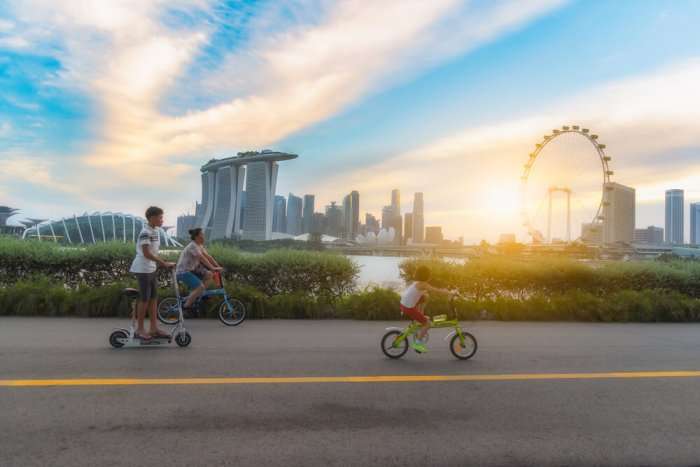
(194,232)
(153,211)
(422,273)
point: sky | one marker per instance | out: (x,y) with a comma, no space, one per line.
(114,106)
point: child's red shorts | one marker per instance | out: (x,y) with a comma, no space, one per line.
(414,313)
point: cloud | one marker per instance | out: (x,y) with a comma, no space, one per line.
(644,120)
(127,59)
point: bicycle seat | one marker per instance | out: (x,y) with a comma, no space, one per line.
(130,293)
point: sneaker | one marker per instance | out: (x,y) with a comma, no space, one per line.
(418,346)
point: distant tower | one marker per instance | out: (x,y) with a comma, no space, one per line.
(279,217)
(674,217)
(695,223)
(294,215)
(618,213)
(418,229)
(408,227)
(308,214)
(355,198)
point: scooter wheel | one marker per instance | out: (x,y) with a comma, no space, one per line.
(183,339)
(114,338)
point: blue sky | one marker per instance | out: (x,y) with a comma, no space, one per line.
(115,105)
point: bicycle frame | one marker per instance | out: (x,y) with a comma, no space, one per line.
(412,328)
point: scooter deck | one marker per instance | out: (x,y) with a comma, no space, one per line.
(135,342)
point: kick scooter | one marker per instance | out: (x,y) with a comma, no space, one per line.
(127,337)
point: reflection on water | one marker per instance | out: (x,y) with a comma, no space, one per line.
(383,270)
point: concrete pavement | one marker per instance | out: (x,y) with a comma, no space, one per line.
(649,421)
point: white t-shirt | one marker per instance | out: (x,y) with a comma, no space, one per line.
(148,236)
(411,296)
(189,258)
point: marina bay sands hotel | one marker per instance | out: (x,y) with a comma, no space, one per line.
(222,185)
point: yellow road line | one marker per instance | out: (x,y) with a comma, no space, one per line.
(345,379)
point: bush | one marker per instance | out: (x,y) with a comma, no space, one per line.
(275,272)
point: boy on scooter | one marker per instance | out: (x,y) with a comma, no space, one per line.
(144,268)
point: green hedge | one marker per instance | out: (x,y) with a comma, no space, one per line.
(44,298)
(274,272)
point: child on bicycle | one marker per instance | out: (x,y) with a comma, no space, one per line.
(195,267)
(413,301)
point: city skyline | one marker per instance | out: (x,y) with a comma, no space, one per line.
(481,81)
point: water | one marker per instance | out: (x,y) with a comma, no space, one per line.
(379,270)
(384,270)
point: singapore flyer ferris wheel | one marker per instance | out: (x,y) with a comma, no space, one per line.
(596,222)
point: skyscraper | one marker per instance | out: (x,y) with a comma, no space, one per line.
(347,217)
(387,217)
(408,227)
(396,201)
(418,221)
(674,217)
(355,198)
(294,215)
(371,223)
(695,223)
(222,184)
(308,215)
(618,213)
(184,224)
(279,217)
(334,220)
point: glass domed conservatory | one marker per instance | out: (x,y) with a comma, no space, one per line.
(93,228)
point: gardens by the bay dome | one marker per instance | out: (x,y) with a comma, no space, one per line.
(93,228)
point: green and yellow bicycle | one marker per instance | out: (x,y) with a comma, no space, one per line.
(463,345)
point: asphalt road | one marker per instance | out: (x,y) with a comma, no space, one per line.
(649,420)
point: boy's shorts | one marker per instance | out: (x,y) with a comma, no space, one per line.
(414,313)
(148,285)
(190,279)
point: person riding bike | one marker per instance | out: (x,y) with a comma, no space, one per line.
(195,267)
(413,301)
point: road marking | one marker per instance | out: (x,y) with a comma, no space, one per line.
(21,383)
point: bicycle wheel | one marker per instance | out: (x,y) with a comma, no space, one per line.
(392,349)
(466,351)
(232,313)
(168,312)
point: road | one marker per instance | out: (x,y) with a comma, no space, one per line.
(564,402)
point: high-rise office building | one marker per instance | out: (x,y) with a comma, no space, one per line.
(433,234)
(396,201)
(355,198)
(294,215)
(318,226)
(347,217)
(279,216)
(651,235)
(222,185)
(371,223)
(351,215)
(695,223)
(674,217)
(618,213)
(387,217)
(418,220)
(408,227)
(308,214)
(184,224)
(334,220)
